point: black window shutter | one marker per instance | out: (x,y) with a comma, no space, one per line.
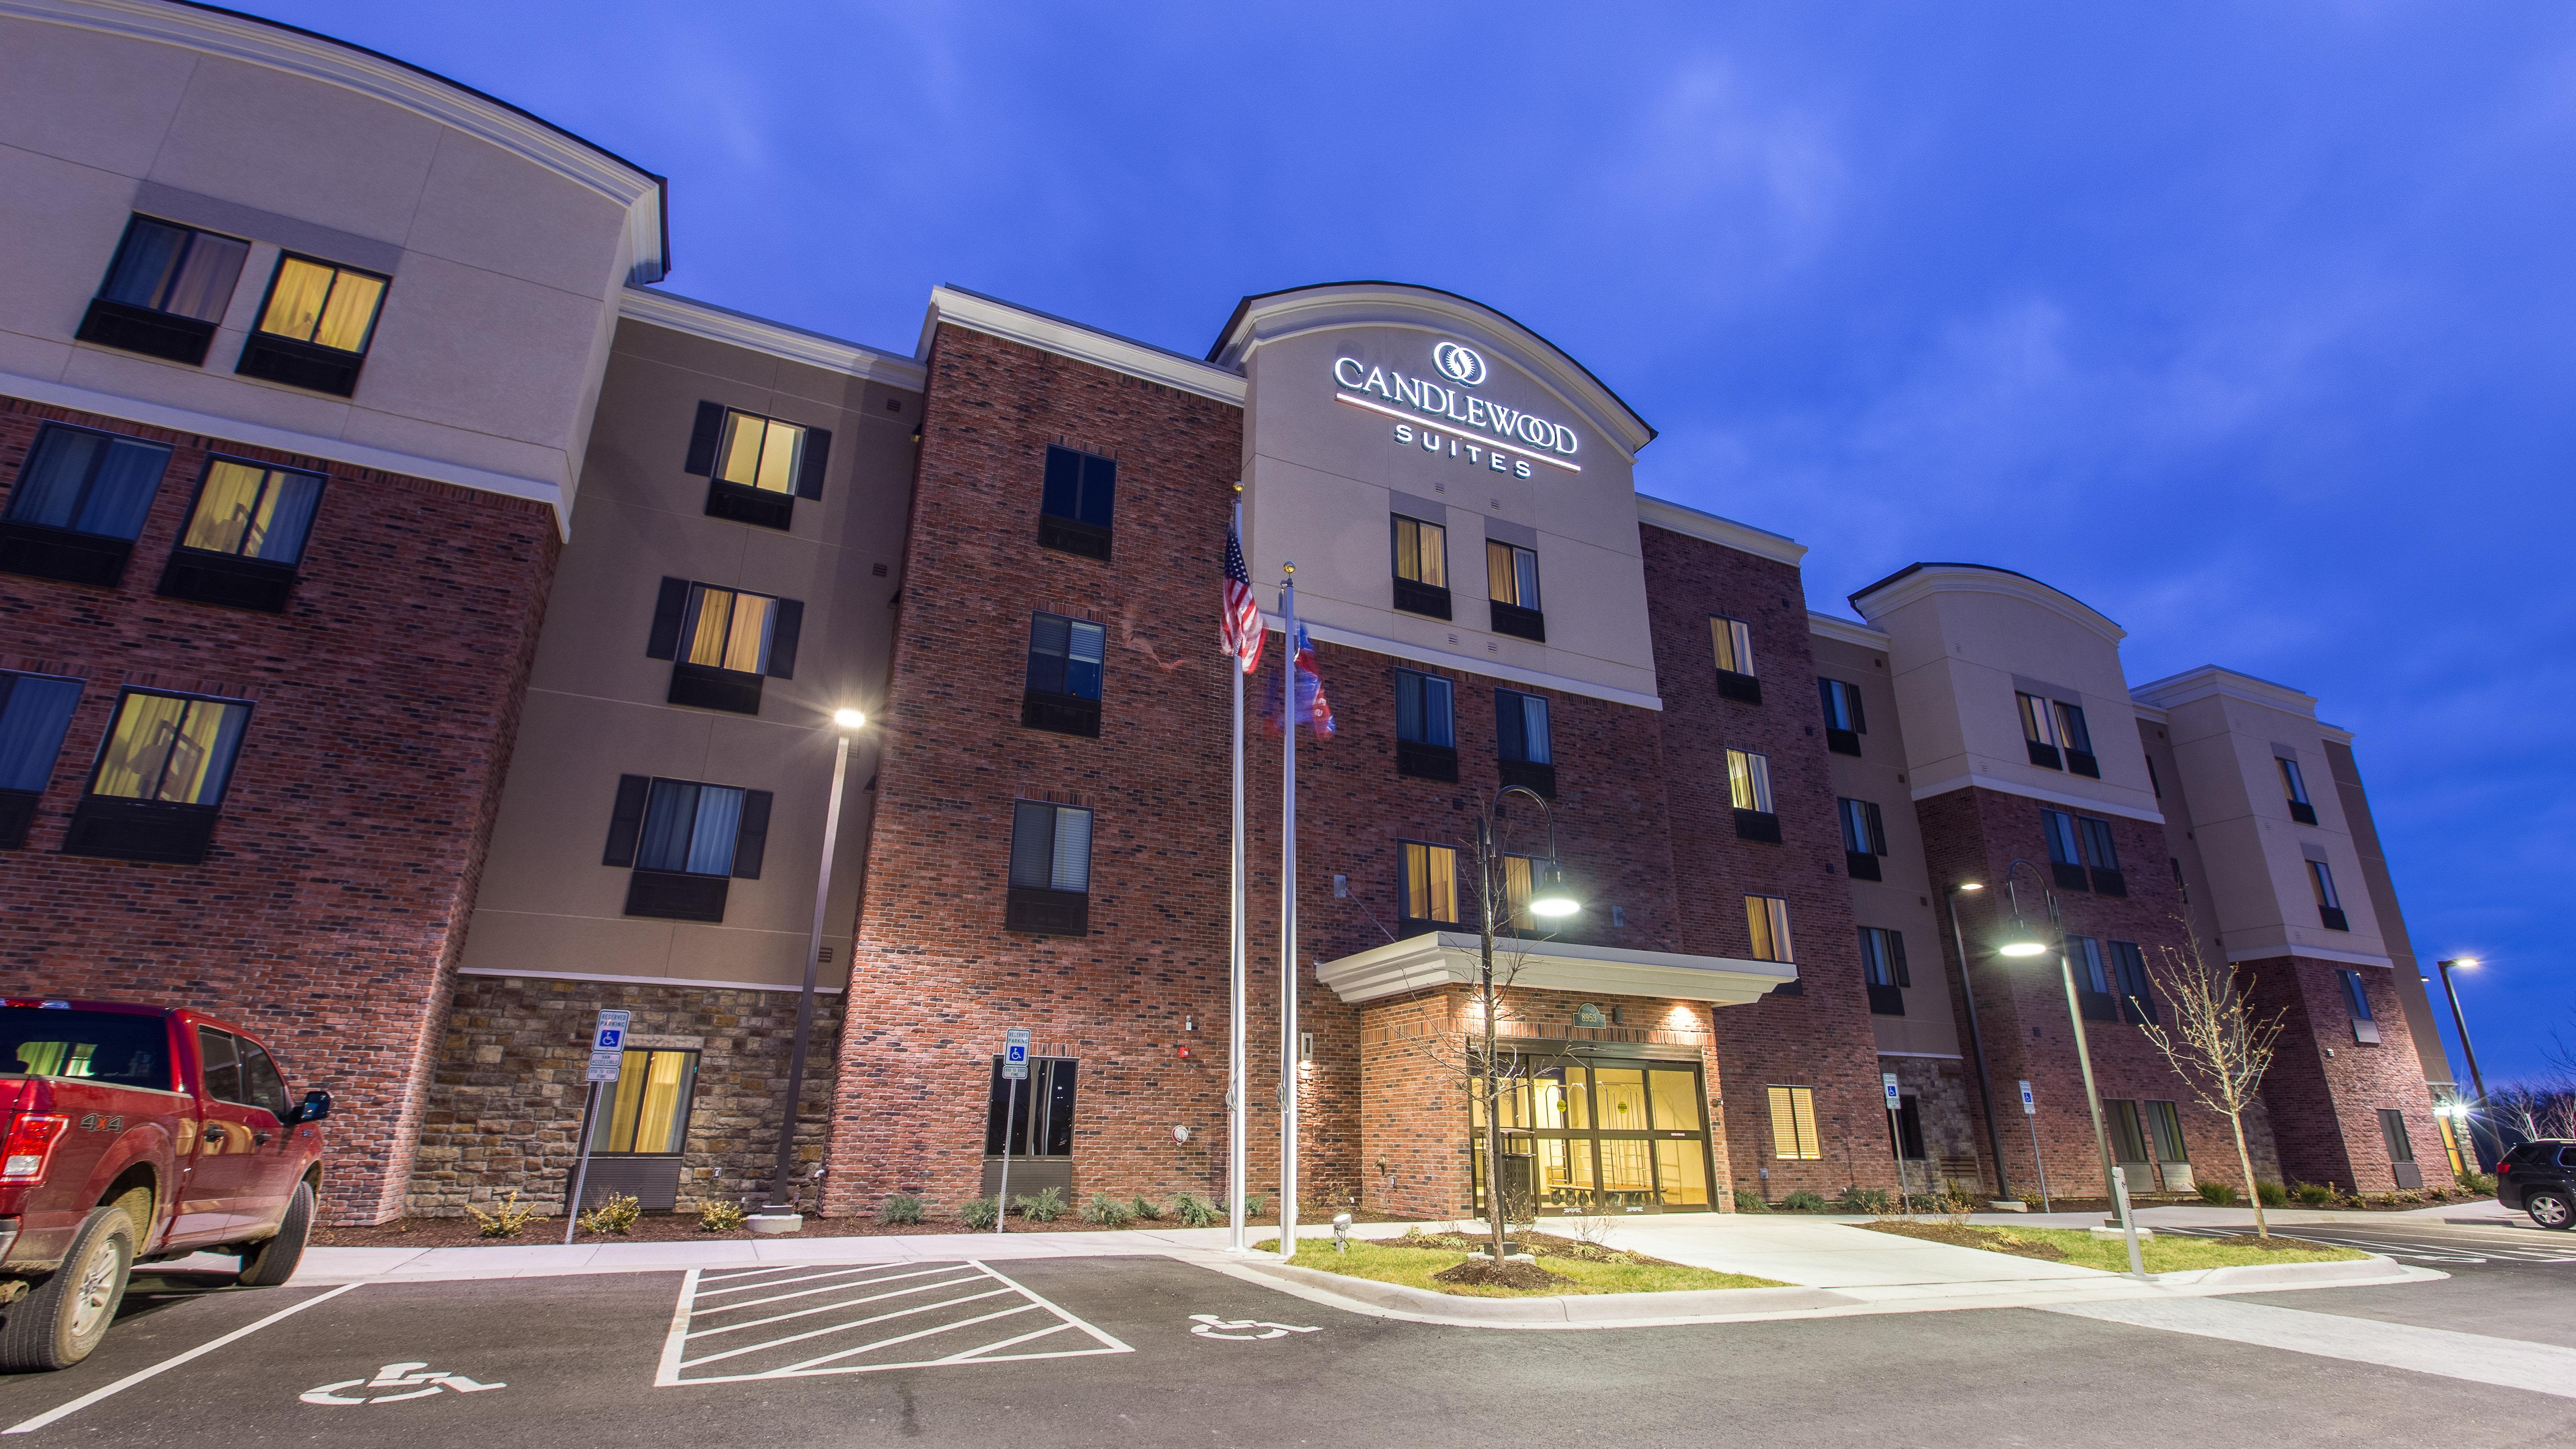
(1511,738)
(703,440)
(753,837)
(627,821)
(1896,957)
(809,468)
(782,638)
(1825,692)
(1851,697)
(667,613)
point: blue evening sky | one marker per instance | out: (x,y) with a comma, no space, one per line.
(2248,325)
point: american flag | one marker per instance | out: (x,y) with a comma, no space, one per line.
(1243,634)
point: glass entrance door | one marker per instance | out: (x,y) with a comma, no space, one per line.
(1597,1134)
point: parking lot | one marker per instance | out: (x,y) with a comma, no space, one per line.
(1132,1351)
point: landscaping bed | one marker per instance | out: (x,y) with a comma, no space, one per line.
(464,1232)
(1439,1262)
(2164,1253)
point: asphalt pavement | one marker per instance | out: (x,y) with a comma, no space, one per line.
(1152,1351)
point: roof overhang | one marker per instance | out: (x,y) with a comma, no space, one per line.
(1915,581)
(1450,958)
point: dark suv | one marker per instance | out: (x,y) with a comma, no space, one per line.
(2539,1177)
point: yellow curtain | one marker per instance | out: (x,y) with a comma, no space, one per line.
(350,312)
(229,507)
(715,621)
(296,303)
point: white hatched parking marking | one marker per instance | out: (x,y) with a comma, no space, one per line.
(2427,1249)
(949,1314)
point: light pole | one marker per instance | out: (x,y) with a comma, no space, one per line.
(1548,898)
(2461,1024)
(1976,1039)
(2023,942)
(780,1215)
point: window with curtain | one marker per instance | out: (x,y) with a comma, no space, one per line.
(2292,785)
(323,304)
(1793,1125)
(2063,847)
(1842,706)
(2099,851)
(1425,709)
(1734,644)
(2092,977)
(1430,883)
(161,266)
(1882,957)
(88,482)
(1519,872)
(1520,727)
(1050,846)
(758,452)
(2128,1134)
(1066,655)
(649,1117)
(1511,574)
(2137,995)
(171,748)
(690,829)
(2329,903)
(35,711)
(2077,738)
(250,510)
(1421,552)
(728,629)
(2164,1127)
(2039,727)
(1081,487)
(1864,828)
(1766,918)
(1748,781)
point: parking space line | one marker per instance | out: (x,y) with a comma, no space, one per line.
(960,1301)
(29,1426)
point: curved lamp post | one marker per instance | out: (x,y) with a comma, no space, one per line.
(2022,942)
(2461,1024)
(780,1213)
(1976,1038)
(1548,899)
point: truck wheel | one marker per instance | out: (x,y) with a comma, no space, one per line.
(270,1264)
(58,1324)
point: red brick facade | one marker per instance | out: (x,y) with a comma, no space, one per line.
(1974,834)
(2326,1088)
(330,910)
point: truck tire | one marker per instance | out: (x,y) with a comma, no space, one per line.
(269,1264)
(57,1324)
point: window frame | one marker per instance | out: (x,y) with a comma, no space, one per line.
(64,551)
(277,274)
(235,579)
(1774,924)
(1426,759)
(223,789)
(2137,992)
(1804,1138)
(154,329)
(1842,702)
(1512,713)
(1414,594)
(1072,532)
(614,1101)
(1523,616)
(301,362)
(1748,795)
(1405,856)
(1883,969)
(18,802)
(1050,909)
(1013,1109)
(1864,829)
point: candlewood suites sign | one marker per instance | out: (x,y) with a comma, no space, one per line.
(1438,417)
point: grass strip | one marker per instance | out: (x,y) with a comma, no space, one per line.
(2165,1253)
(1402,1261)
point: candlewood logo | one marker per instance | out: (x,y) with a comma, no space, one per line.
(1459,364)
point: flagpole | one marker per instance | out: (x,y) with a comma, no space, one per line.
(1288,915)
(1237,1116)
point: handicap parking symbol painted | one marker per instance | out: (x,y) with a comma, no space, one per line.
(392,1384)
(1208,1325)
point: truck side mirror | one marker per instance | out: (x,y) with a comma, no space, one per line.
(315,1107)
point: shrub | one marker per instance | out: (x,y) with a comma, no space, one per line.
(1862,1200)
(1802,1201)
(616,1213)
(978,1213)
(1253,1204)
(1147,1209)
(2314,1194)
(1108,1211)
(900,1208)
(506,1220)
(1750,1202)
(1045,1207)
(2272,1194)
(1193,1210)
(719,1217)
(2222,1194)
(2481,1183)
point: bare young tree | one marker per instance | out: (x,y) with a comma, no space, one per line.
(2219,1045)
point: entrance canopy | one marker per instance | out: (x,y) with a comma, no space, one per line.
(1448,958)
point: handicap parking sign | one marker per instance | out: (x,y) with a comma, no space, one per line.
(1015,1055)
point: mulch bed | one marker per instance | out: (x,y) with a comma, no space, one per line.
(1961,1235)
(1537,1245)
(677,1227)
(1481,1273)
(2269,1245)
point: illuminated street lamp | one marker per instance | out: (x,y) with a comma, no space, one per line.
(780,1215)
(1976,1038)
(2462,1024)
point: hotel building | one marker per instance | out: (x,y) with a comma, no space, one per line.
(424,633)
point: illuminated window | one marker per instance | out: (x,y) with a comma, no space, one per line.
(1748,781)
(253,511)
(322,304)
(1511,574)
(1430,883)
(169,748)
(1766,918)
(1421,552)
(1734,643)
(728,629)
(1793,1125)
(650,1116)
(759,452)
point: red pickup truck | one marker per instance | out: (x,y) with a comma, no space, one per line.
(137,1133)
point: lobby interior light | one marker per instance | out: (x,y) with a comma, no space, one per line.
(849,719)
(2020,941)
(1549,897)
